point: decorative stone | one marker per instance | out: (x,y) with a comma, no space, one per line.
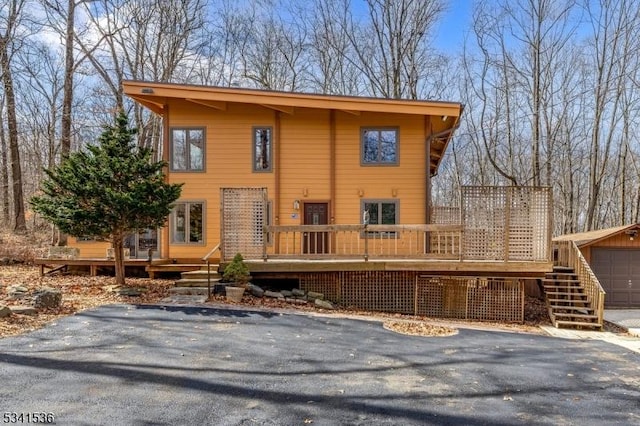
(129,291)
(324,304)
(23,310)
(312,295)
(286,293)
(255,290)
(296,301)
(4,311)
(5,261)
(17,292)
(297,292)
(275,294)
(47,298)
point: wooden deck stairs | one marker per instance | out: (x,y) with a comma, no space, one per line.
(196,282)
(569,306)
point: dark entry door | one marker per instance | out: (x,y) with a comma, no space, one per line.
(315,242)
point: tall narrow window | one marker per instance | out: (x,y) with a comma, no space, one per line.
(187,223)
(262,146)
(379,146)
(187,149)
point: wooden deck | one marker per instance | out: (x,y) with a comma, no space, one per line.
(48,266)
(289,267)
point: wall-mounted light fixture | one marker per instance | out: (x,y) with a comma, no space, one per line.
(394,192)
(632,233)
(360,192)
(305,192)
(296,204)
(445,117)
(146,90)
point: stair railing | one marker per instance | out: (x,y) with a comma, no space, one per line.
(569,255)
(206,258)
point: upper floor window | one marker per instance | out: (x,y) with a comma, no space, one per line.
(187,149)
(379,146)
(262,148)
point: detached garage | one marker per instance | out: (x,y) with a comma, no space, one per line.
(614,256)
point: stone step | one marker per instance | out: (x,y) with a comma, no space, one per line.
(200,274)
(196,282)
(202,291)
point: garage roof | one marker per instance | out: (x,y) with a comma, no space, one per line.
(587,238)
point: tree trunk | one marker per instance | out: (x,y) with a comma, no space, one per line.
(118,251)
(4,175)
(19,223)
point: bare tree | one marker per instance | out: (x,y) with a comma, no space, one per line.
(9,42)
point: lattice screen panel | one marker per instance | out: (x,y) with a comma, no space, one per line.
(243,217)
(444,215)
(378,290)
(327,283)
(483,218)
(518,218)
(488,299)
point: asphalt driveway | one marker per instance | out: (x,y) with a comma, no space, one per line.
(157,365)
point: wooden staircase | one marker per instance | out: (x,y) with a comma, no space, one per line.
(569,305)
(196,282)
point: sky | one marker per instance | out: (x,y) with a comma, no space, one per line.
(449,34)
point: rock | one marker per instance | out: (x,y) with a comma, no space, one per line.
(286,293)
(23,310)
(47,298)
(17,292)
(297,292)
(4,311)
(275,294)
(255,290)
(312,295)
(5,261)
(129,291)
(296,301)
(324,304)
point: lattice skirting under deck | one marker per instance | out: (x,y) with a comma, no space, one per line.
(487,299)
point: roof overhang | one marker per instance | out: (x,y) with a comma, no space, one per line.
(445,115)
(584,239)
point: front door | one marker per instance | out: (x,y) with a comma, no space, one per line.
(316,242)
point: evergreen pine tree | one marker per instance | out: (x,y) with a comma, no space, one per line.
(107,191)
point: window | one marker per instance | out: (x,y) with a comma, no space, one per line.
(187,149)
(380,212)
(187,226)
(380,146)
(262,149)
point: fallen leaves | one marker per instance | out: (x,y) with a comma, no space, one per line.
(419,328)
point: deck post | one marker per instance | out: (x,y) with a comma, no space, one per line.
(366,244)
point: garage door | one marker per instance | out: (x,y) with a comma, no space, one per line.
(618,271)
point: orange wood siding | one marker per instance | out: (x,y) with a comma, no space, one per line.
(621,240)
(305,165)
(90,249)
(379,182)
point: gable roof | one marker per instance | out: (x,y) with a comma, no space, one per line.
(155,97)
(588,238)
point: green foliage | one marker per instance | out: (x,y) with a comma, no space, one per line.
(237,271)
(107,190)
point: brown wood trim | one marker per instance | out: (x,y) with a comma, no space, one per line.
(332,172)
(164,231)
(277,174)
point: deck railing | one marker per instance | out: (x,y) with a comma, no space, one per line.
(363,241)
(568,255)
